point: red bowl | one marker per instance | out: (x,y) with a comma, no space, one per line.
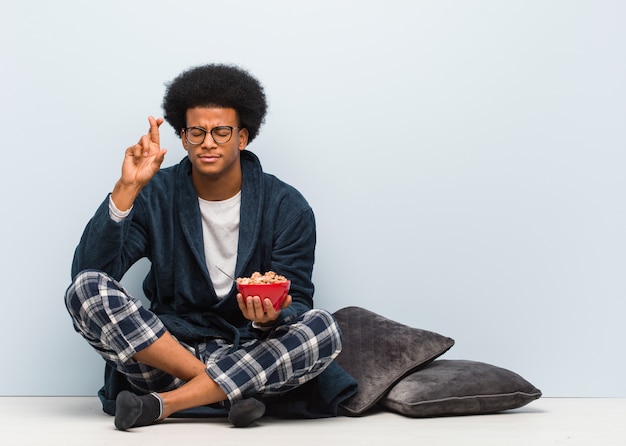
(276,292)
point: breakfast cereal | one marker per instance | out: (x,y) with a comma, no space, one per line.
(257,278)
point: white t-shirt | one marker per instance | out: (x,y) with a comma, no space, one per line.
(220,231)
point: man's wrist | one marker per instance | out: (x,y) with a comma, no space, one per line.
(123,196)
(115,214)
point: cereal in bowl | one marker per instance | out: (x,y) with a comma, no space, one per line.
(257,278)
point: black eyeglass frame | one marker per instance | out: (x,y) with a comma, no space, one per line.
(205,131)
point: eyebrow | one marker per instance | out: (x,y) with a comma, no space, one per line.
(206,130)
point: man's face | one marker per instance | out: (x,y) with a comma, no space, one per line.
(214,159)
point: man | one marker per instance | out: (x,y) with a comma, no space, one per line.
(214,216)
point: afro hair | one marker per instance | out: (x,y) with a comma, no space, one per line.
(216,85)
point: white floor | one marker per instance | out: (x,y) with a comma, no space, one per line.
(547,421)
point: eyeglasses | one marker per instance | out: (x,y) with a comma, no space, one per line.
(220,134)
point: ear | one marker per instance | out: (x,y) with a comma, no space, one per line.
(183,140)
(243,139)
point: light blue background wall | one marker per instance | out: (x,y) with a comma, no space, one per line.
(465,160)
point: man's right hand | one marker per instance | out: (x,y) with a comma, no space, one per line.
(141,162)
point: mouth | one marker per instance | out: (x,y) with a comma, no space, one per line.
(209,158)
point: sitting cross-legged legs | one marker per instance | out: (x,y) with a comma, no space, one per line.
(169,376)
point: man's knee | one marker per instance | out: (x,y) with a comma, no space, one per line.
(325,326)
(86,285)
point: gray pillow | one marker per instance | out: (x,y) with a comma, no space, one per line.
(378,352)
(459,387)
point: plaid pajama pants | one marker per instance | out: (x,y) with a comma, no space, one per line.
(117,326)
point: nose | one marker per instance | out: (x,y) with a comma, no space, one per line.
(209,142)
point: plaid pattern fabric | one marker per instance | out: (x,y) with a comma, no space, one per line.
(117,326)
(292,355)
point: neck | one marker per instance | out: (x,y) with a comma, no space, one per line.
(216,189)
